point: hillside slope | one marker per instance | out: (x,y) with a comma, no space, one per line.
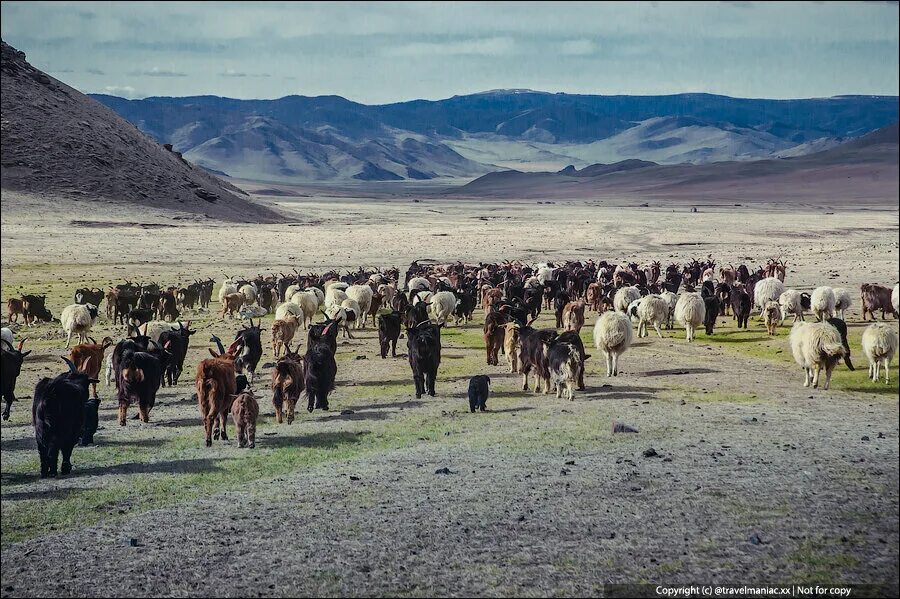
(57,140)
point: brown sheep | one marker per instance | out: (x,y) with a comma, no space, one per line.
(245,411)
(511,345)
(494,334)
(80,354)
(283,331)
(573,316)
(287,384)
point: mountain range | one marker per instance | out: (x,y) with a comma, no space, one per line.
(329,138)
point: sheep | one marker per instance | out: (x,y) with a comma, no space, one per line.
(690,311)
(442,305)
(772,316)
(334,296)
(879,343)
(790,303)
(320,295)
(613,335)
(765,291)
(671,300)
(78,318)
(417,284)
(421,296)
(816,345)
(624,297)
(250,292)
(290,291)
(842,301)
(283,331)
(228,287)
(653,310)
(309,305)
(362,294)
(822,303)
(288,309)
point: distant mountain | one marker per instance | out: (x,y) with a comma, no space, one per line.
(55,139)
(299,138)
(862,170)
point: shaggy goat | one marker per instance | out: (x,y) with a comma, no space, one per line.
(288,382)
(565,368)
(842,301)
(479,389)
(624,297)
(424,349)
(10,366)
(613,335)
(320,368)
(216,386)
(388,333)
(877,297)
(690,311)
(772,314)
(790,303)
(88,358)
(879,343)
(765,291)
(573,316)
(283,331)
(244,412)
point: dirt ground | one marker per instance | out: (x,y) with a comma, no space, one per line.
(756,479)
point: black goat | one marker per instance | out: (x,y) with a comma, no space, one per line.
(740,306)
(479,389)
(423,342)
(388,333)
(176,343)
(841,326)
(139,376)
(10,366)
(320,368)
(251,350)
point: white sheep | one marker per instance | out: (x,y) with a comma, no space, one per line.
(155,328)
(895,299)
(78,319)
(442,305)
(671,300)
(842,301)
(791,303)
(613,335)
(320,295)
(624,297)
(362,294)
(653,310)
(822,302)
(816,345)
(879,343)
(690,311)
(288,308)
(334,296)
(228,287)
(352,305)
(417,284)
(249,292)
(309,305)
(765,291)
(6,335)
(290,291)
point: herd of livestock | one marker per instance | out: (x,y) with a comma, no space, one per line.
(427,298)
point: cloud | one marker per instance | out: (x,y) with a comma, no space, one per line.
(577,47)
(490,46)
(123,91)
(234,73)
(157,72)
(60,70)
(93,71)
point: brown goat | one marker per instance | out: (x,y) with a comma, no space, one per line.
(511,345)
(494,334)
(489,298)
(110,296)
(573,316)
(592,295)
(287,384)
(232,303)
(80,354)
(283,331)
(377,300)
(876,297)
(216,384)
(14,307)
(245,411)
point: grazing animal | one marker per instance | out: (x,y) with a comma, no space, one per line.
(15,307)
(216,386)
(652,311)
(566,368)
(35,309)
(139,377)
(613,335)
(288,309)
(91,421)
(574,339)
(244,412)
(841,326)
(879,343)
(77,319)
(229,287)
(248,338)
(491,296)
(288,382)
(842,301)
(512,345)
(791,303)
(319,365)
(772,315)
(89,296)
(232,304)
(712,312)
(479,389)
(283,332)
(363,296)
(690,311)
(740,307)
(765,291)
(534,346)
(423,342)
(57,413)
(10,366)
(176,343)
(624,297)
(388,332)
(88,358)
(441,305)
(877,297)
(560,301)
(895,299)
(815,346)
(671,300)
(494,334)
(573,316)
(334,296)
(822,303)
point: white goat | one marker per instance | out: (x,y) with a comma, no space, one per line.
(442,305)
(816,345)
(228,287)
(613,335)
(822,302)
(690,311)
(879,343)
(309,305)
(362,294)
(765,291)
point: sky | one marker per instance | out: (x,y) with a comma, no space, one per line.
(380,52)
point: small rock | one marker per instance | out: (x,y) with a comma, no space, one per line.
(133,542)
(346,412)
(755,539)
(360,357)
(570,463)
(353,477)
(865,438)
(619,427)
(650,453)
(444,470)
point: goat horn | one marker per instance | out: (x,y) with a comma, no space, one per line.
(72,368)
(21,344)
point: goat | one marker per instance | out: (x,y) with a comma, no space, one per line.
(244,412)
(740,306)
(772,313)
(231,304)
(139,377)
(423,342)
(494,334)
(565,368)
(288,382)
(690,311)
(319,364)
(573,316)
(88,358)
(10,367)
(251,349)
(534,346)
(283,331)
(388,333)
(712,312)
(479,389)
(876,297)
(216,385)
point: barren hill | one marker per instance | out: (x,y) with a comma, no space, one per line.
(57,140)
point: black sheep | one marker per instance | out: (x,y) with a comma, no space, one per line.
(479,389)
